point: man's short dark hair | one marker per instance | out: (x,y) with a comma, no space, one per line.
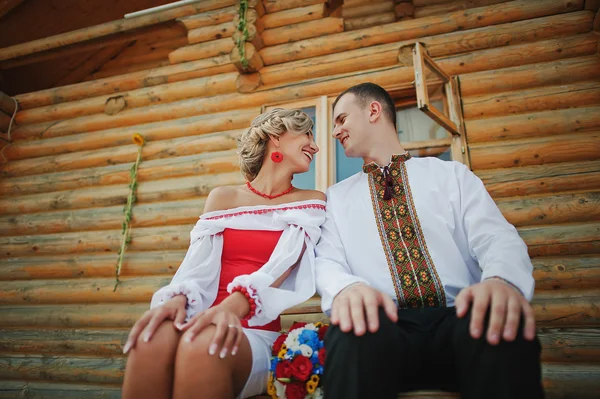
(366,92)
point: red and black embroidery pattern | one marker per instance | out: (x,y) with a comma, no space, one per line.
(415,279)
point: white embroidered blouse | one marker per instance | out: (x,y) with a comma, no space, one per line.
(198,275)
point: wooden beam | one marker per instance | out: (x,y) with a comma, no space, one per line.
(209,18)
(294,16)
(303,30)
(596,24)
(272,6)
(7,5)
(110,28)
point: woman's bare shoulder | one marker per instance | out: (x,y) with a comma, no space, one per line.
(222,198)
(306,195)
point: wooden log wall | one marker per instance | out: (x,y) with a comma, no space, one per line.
(530,84)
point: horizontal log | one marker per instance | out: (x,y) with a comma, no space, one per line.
(294,16)
(109,28)
(529,76)
(82,290)
(105,218)
(80,342)
(152,132)
(451,6)
(272,6)
(151,191)
(107,370)
(367,9)
(570,344)
(387,54)
(526,152)
(102,264)
(358,3)
(130,81)
(201,51)
(49,390)
(537,124)
(114,315)
(571,380)
(142,239)
(550,27)
(568,308)
(563,239)
(409,30)
(488,59)
(546,209)
(169,92)
(566,272)
(532,100)
(509,56)
(303,30)
(208,33)
(539,179)
(176,166)
(369,21)
(126,153)
(209,18)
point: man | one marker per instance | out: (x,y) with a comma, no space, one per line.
(419,270)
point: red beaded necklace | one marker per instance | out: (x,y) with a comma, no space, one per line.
(255,191)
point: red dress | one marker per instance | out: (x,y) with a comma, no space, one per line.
(244,252)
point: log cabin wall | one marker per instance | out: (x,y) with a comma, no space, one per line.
(530,82)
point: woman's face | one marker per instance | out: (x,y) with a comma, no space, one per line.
(298,150)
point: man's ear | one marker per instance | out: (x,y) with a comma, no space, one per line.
(375,111)
(274,140)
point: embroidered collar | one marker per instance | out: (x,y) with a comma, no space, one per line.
(397,159)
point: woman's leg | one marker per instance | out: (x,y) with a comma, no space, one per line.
(150,365)
(201,375)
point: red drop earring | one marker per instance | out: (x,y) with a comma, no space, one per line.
(276,156)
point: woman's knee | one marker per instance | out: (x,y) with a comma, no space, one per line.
(162,344)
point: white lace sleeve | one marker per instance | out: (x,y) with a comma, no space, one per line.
(197,277)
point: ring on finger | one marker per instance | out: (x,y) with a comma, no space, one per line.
(234,326)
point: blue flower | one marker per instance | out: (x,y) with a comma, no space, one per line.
(274,361)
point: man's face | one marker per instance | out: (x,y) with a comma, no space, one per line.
(351,125)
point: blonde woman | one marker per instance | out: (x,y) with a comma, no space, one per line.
(208,333)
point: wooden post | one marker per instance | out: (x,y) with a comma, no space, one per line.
(254,59)
(7,104)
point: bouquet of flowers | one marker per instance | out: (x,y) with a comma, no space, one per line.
(297,362)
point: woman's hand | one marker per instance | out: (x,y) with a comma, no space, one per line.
(228,332)
(153,318)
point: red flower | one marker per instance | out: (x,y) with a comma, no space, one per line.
(323,331)
(322,356)
(277,344)
(283,369)
(298,324)
(295,390)
(301,368)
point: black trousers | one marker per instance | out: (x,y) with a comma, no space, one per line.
(429,349)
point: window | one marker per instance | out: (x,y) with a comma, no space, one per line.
(316,176)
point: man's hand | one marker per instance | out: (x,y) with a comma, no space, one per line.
(506,305)
(352,304)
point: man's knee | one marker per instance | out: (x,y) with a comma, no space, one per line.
(514,349)
(383,338)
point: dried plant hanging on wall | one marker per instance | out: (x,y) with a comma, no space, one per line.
(138,139)
(243,27)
